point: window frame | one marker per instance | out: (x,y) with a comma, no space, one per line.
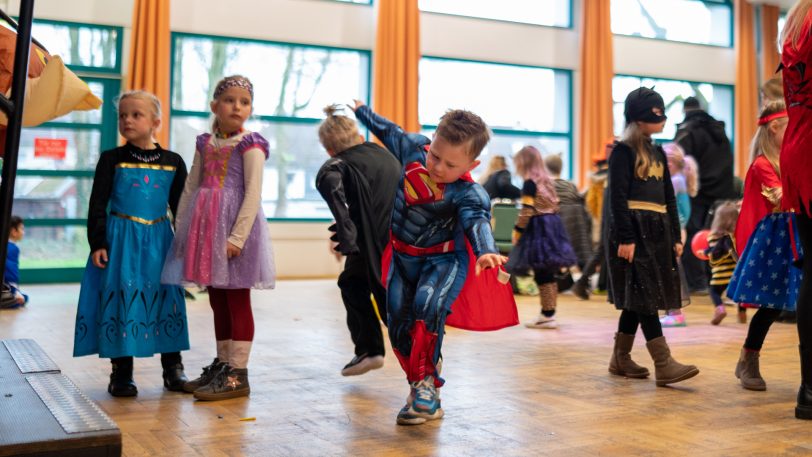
(570,26)
(265,118)
(731,37)
(569,135)
(111,79)
(732,88)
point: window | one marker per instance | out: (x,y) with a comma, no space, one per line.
(692,21)
(52,189)
(292,84)
(522,105)
(363,2)
(557,13)
(717,98)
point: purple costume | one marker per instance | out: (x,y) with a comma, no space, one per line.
(220,205)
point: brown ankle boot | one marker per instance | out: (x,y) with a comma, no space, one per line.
(747,371)
(621,363)
(666,369)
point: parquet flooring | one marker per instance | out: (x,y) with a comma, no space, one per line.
(515,392)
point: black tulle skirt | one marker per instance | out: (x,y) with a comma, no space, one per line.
(651,282)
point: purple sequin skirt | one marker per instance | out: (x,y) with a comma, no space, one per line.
(198,253)
(547,245)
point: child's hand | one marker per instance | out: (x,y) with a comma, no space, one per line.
(626,251)
(357,104)
(489,261)
(232,251)
(99,256)
(678,249)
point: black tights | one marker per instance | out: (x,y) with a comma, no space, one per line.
(649,323)
(759,326)
(805,296)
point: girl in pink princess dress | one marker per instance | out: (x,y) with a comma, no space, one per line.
(222,240)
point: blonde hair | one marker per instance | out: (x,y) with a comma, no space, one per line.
(497,163)
(796,19)
(773,89)
(764,142)
(724,219)
(685,164)
(530,166)
(641,144)
(147,97)
(338,133)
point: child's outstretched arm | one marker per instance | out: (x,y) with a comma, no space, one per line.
(403,145)
(330,184)
(473,211)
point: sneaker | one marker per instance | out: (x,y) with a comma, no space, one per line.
(581,290)
(407,417)
(743,316)
(360,364)
(673,320)
(426,402)
(544,322)
(228,383)
(209,372)
(718,314)
(599,292)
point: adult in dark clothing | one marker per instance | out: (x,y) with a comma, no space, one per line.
(358,183)
(704,138)
(497,180)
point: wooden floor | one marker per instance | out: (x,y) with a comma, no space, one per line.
(512,392)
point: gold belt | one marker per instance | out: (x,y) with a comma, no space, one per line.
(647,206)
(138,219)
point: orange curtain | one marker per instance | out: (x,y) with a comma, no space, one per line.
(769,36)
(397,56)
(597,70)
(746,110)
(149,56)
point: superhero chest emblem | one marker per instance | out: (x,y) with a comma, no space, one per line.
(418,187)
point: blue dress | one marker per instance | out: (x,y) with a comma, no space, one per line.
(124,310)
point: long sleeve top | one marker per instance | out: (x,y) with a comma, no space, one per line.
(762,196)
(535,201)
(103,186)
(625,187)
(253,167)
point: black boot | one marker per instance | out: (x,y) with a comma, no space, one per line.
(121,379)
(174,377)
(803,410)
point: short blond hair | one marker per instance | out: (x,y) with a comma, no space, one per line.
(148,97)
(338,133)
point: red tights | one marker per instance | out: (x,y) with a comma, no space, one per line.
(233,319)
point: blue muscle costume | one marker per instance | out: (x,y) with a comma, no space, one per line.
(430,258)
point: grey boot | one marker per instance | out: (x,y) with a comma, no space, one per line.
(621,363)
(747,371)
(666,369)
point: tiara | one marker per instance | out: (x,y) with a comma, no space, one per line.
(234,82)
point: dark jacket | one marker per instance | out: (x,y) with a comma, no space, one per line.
(498,185)
(359,186)
(704,138)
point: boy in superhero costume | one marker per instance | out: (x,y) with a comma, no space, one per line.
(441,242)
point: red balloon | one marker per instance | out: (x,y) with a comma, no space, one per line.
(699,244)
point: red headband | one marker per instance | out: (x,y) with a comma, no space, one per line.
(766,119)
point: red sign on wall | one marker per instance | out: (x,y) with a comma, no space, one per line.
(50,148)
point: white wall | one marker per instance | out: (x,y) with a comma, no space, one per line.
(301,249)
